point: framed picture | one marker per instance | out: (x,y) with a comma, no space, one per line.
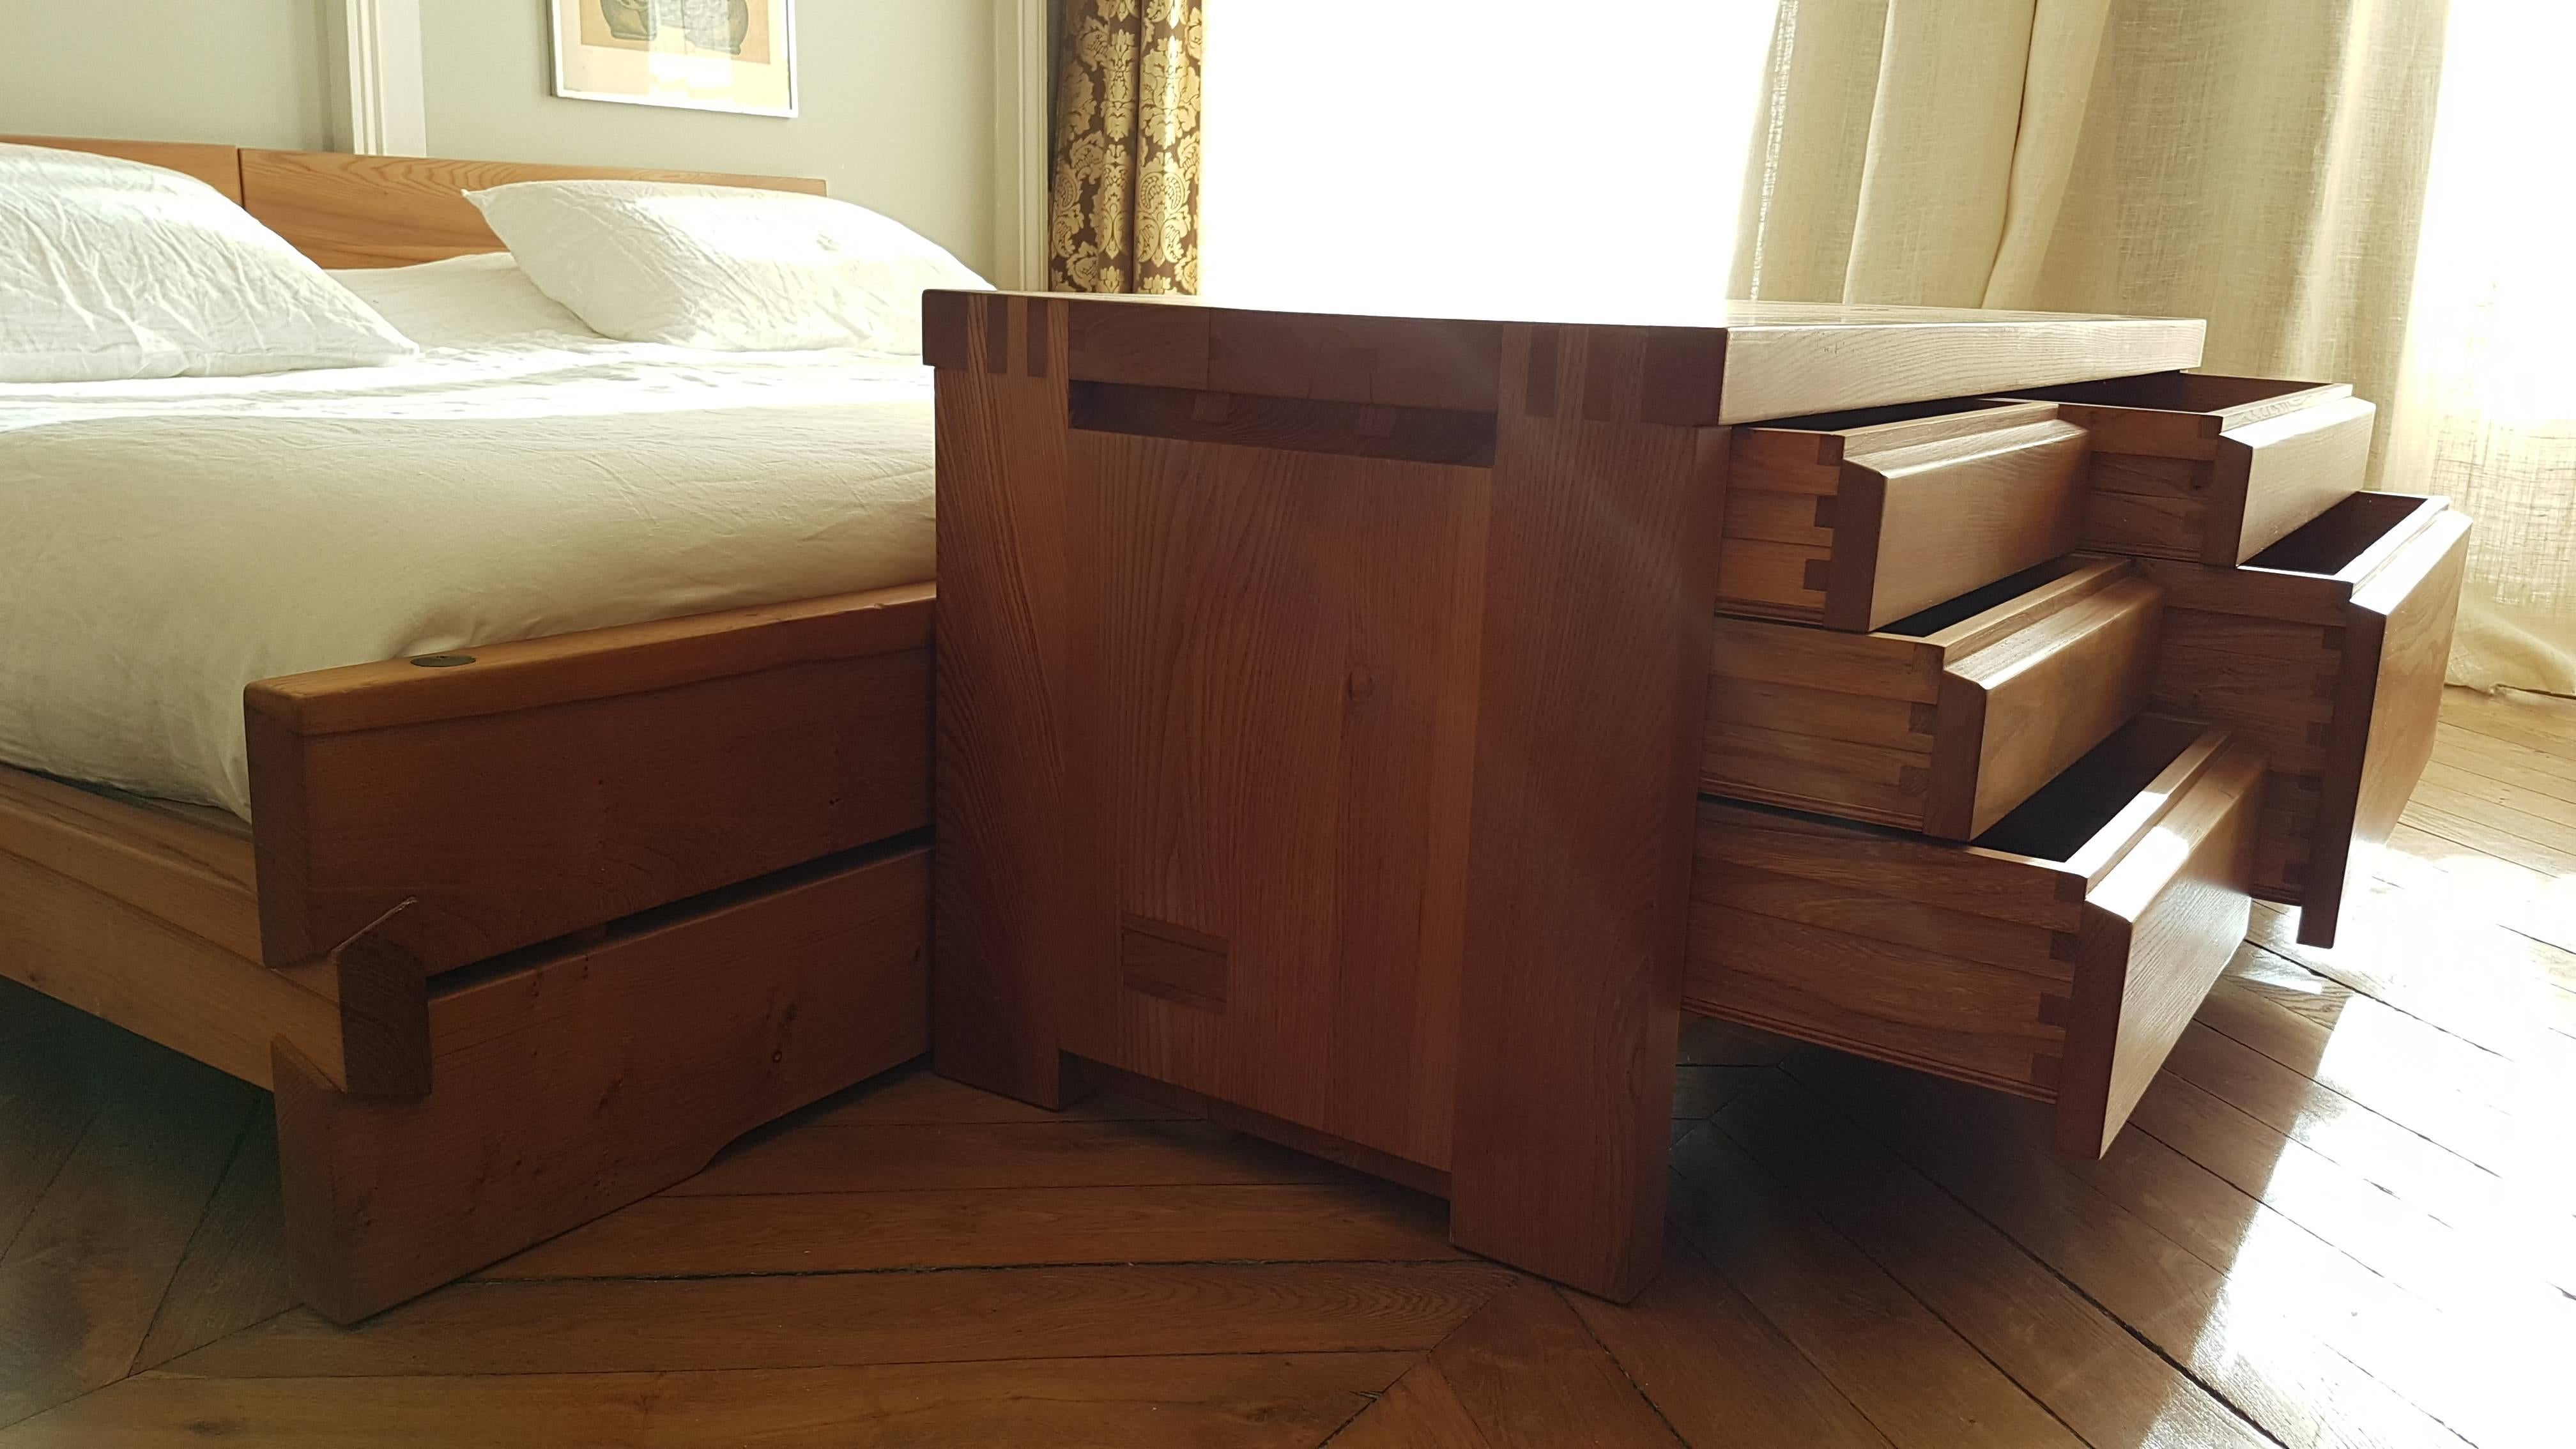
(708,55)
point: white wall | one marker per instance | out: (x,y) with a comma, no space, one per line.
(895,101)
(896,96)
(232,72)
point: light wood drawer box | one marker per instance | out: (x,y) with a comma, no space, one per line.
(2210,468)
(1857,519)
(2327,652)
(1940,722)
(2058,958)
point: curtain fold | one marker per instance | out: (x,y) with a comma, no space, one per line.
(1124,198)
(2270,167)
(2486,403)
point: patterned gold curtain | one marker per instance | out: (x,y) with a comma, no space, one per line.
(1124,208)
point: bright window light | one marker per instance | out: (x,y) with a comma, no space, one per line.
(1478,157)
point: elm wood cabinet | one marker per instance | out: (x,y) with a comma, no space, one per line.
(2326,651)
(2210,468)
(1325,705)
(1857,519)
(1322,708)
(1940,722)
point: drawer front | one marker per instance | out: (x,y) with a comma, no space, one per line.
(2157,932)
(2388,700)
(2209,468)
(2017,713)
(1963,493)
(1929,524)
(2064,975)
(2327,652)
(2283,471)
(1845,967)
(1941,731)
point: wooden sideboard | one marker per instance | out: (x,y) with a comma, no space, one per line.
(1374,732)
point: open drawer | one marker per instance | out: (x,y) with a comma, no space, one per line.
(2327,652)
(2210,468)
(2058,957)
(1940,722)
(1855,520)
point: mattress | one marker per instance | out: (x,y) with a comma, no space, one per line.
(165,543)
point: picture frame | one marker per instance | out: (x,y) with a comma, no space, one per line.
(707,55)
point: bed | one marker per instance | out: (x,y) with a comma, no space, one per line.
(518,932)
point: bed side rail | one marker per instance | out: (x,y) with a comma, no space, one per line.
(520,792)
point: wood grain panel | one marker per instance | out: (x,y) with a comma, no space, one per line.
(1007,871)
(1879,998)
(2029,676)
(1386,361)
(2294,652)
(1301,655)
(2016,713)
(1944,518)
(2275,475)
(596,664)
(2157,931)
(1906,868)
(711,750)
(2158,823)
(1904,507)
(2397,647)
(1855,910)
(2213,468)
(196,878)
(1772,359)
(116,959)
(576,1083)
(1785,359)
(1587,739)
(348,211)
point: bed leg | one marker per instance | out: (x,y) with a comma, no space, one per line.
(319,1244)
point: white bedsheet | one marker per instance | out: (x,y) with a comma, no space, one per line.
(164,543)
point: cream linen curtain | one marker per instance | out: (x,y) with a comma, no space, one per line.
(2486,402)
(2263,165)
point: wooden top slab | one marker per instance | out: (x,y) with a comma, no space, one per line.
(1738,362)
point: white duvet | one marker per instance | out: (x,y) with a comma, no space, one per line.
(164,543)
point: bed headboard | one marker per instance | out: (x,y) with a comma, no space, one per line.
(217,166)
(374,211)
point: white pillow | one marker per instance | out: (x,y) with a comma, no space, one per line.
(722,266)
(112,269)
(469,301)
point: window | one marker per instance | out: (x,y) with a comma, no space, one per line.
(1503,158)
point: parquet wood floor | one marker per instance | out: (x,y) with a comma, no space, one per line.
(2345,1215)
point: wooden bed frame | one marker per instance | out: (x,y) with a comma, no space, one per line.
(522,934)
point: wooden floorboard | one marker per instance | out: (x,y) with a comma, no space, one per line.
(2058,1346)
(2345,1215)
(1203,1401)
